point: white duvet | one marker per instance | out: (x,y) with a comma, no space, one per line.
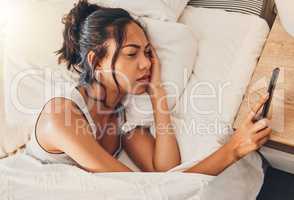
(22,177)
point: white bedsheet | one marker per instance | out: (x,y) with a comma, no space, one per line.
(22,177)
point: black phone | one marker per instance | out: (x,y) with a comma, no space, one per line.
(270,91)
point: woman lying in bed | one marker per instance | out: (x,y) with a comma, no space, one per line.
(114,57)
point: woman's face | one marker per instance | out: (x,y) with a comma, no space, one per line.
(132,64)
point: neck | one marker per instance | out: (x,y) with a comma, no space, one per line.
(93,96)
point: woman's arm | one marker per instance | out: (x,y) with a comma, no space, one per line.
(139,145)
(166,153)
(249,137)
(74,137)
(216,162)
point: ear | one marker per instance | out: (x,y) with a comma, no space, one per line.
(96,70)
(91,57)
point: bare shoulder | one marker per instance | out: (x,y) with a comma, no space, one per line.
(59,118)
(66,129)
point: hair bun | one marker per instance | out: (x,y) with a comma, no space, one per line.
(77,15)
(72,21)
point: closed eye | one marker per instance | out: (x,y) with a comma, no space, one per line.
(132,54)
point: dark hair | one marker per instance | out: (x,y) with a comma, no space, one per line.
(87,27)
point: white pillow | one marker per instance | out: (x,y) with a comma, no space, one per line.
(11,137)
(155,9)
(30,58)
(1,49)
(177,6)
(29,55)
(2,36)
(229,46)
(177,52)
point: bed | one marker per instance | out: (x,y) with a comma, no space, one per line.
(218,60)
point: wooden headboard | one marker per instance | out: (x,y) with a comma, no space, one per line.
(269,11)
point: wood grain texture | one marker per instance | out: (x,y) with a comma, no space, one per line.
(278,52)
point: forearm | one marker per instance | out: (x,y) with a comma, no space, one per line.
(103,163)
(166,154)
(216,162)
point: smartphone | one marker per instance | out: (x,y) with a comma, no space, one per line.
(270,91)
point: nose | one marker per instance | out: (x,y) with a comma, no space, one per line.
(145,63)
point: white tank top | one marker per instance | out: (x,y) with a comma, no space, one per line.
(34,149)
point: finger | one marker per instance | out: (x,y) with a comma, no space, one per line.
(260,103)
(259,125)
(154,58)
(255,109)
(260,135)
(263,141)
(154,54)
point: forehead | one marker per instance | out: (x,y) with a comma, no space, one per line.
(135,34)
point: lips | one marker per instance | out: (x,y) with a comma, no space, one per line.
(144,78)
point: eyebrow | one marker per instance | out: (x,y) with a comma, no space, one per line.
(135,45)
